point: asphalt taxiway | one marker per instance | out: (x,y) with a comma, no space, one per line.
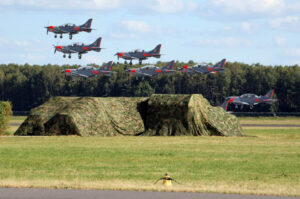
(27,193)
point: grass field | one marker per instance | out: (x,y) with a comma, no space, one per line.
(270,120)
(266,164)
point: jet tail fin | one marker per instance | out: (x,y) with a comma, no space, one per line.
(170,65)
(96,45)
(107,67)
(270,94)
(156,49)
(87,24)
(221,64)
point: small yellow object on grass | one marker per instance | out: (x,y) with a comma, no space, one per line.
(167,182)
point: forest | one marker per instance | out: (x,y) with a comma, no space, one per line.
(27,86)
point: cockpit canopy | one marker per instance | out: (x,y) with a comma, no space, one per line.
(202,64)
(137,51)
(85,67)
(78,44)
(68,24)
(149,67)
(249,95)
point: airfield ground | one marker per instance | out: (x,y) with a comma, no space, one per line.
(266,162)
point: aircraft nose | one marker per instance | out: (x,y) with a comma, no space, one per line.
(119,54)
(131,71)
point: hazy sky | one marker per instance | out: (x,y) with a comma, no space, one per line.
(249,31)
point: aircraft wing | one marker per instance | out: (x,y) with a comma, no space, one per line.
(78,74)
(73,51)
(62,31)
(146,74)
(129,57)
(240,102)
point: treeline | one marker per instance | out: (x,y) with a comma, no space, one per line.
(28,86)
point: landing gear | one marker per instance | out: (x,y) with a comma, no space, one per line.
(61,36)
(140,62)
(69,56)
(64,56)
(79,56)
(55,36)
(130,62)
(70,36)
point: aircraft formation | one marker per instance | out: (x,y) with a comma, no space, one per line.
(145,71)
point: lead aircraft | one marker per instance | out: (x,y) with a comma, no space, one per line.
(70,29)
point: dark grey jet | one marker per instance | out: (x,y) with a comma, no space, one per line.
(140,54)
(249,100)
(79,48)
(204,68)
(70,29)
(151,70)
(89,71)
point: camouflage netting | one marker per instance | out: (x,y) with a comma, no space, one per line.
(85,116)
(110,116)
(188,115)
(5,113)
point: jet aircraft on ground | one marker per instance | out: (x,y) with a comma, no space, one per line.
(89,71)
(79,48)
(140,54)
(151,70)
(70,29)
(249,99)
(204,68)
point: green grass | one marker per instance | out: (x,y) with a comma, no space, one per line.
(269,120)
(266,164)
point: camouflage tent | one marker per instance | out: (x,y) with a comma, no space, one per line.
(85,116)
(109,116)
(188,115)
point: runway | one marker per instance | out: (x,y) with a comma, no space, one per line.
(26,193)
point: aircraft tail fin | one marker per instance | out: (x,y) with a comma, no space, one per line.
(96,44)
(270,94)
(170,65)
(156,49)
(221,64)
(87,24)
(107,67)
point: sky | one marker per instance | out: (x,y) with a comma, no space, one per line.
(248,31)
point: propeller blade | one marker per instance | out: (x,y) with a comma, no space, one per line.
(47,31)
